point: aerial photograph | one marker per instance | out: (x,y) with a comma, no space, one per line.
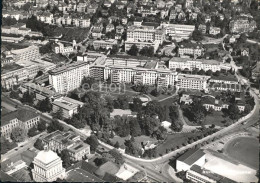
(130,91)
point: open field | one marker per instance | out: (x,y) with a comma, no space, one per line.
(245,150)
(174,140)
(70,34)
(79,175)
(142,138)
(215,118)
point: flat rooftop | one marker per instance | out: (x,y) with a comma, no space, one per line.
(203,61)
(40,89)
(67,67)
(193,77)
(9,68)
(67,103)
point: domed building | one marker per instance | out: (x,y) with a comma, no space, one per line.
(47,167)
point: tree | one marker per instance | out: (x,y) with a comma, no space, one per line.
(28,98)
(173,113)
(155,92)
(87,82)
(65,157)
(39,73)
(58,114)
(160,133)
(209,72)
(197,35)
(26,7)
(14,94)
(201,72)
(41,126)
(122,102)
(135,129)
(114,50)
(38,144)
(132,148)
(32,132)
(109,103)
(117,155)
(54,125)
(93,142)
(233,111)
(117,145)
(137,105)
(6,145)
(133,50)
(45,105)
(18,134)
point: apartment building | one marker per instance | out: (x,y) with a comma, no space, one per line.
(40,92)
(17,73)
(23,118)
(145,34)
(68,77)
(58,47)
(196,82)
(125,69)
(58,141)
(190,49)
(178,32)
(12,39)
(191,64)
(26,54)
(82,21)
(68,105)
(242,25)
(106,44)
(140,45)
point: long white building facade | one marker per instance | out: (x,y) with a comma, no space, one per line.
(191,64)
(68,77)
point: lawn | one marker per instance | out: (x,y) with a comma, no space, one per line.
(55,58)
(80,175)
(174,140)
(142,138)
(245,150)
(73,33)
(215,118)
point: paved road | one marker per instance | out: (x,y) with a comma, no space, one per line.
(22,147)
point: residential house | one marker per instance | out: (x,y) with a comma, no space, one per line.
(107,3)
(92,8)
(120,5)
(110,27)
(245,52)
(81,7)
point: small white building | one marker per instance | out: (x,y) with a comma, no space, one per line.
(192,157)
(68,105)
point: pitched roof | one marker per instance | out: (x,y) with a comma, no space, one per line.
(191,156)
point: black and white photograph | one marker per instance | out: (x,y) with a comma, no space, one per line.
(130,91)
